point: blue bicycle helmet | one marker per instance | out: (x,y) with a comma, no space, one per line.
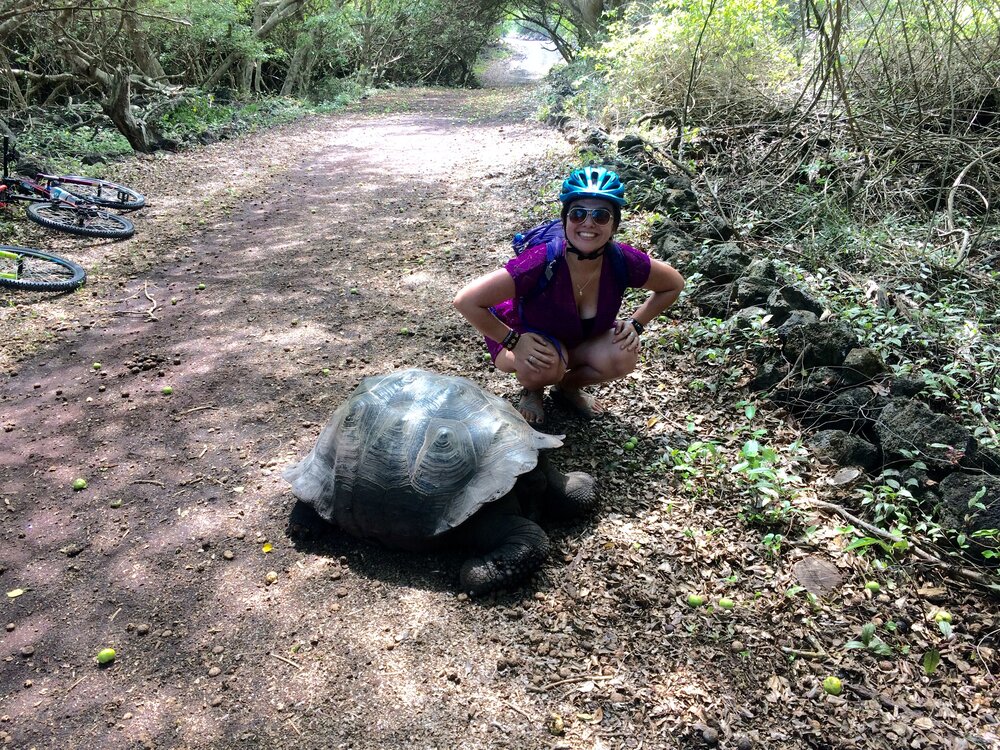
(593,182)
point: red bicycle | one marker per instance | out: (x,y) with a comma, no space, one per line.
(71,204)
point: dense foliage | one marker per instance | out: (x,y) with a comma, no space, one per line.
(135,61)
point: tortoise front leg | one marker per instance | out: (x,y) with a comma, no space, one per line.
(515,547)
(567,495)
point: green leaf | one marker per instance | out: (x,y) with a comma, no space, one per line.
(931,660)
(794,590)
(945,628)
(854,644)
(880,647)
(867,633)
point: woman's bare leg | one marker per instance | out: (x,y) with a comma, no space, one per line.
(533,382)
(597,360)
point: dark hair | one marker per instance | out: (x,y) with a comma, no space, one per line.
(616,212)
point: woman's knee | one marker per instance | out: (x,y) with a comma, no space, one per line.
(534,379)
(618,363)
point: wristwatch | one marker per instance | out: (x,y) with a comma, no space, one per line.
(639,327)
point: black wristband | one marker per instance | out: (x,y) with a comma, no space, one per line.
(639,327)
(510,340)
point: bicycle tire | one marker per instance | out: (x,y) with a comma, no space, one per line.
(81,221)
(39,272)
(99,192)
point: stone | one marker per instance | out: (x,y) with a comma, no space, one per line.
(908,429)
(754,290)
(787,298)
(863,364)
(748,316)
(959,491)
(769,374)
(853,410)
(763,268)
(844,449)
(905,386)
(723,263)
(714,301)
(824,343)
(795,319)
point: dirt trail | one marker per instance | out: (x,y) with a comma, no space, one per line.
(341,267)
(329,250)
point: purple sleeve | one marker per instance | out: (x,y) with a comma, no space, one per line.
(637,265)
(526,269)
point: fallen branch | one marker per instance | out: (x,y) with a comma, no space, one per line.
(929,558)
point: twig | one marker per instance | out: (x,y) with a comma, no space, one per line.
(149,312)
(518,710)
(279,657)
(805,654)
(76,683)
(291,723)
(148,481)
(112,618)
(578,678)
(197,408)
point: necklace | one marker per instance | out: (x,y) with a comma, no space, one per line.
(581,289)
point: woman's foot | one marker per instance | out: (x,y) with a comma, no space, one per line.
(531,407)
(584,404)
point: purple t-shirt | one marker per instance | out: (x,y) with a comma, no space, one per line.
(553,313)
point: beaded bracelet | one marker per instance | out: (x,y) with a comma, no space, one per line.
(639,327)
(510,340)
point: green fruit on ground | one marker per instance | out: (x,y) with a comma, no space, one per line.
(695,600)
(200,287)
(80,484)
(106,656)
(96,365)
(873,586)
(726,603)
(942,616)
(629,446)
(167,390)
(833,685)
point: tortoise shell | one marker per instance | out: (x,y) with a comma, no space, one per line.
(412,454)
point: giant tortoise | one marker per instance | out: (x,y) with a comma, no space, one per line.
(414,459)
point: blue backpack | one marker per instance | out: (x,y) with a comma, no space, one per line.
(551,234)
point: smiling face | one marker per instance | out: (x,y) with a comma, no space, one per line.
(587,235)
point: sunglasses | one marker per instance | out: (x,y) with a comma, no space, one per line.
(601,216)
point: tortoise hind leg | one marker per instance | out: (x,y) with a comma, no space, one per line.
(515,548)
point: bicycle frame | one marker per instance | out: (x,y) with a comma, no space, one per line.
(25,189)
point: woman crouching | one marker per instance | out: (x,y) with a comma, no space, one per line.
(554,320)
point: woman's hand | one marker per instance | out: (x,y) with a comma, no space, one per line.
(535,353)
(625,336)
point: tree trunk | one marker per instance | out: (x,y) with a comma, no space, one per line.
(118,107)
(285,9)
(144,57)
(296,64)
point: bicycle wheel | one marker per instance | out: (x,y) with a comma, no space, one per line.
(89,222)
(100,192)
(33,271)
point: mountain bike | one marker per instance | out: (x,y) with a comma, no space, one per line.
(56,207)
(34,271)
